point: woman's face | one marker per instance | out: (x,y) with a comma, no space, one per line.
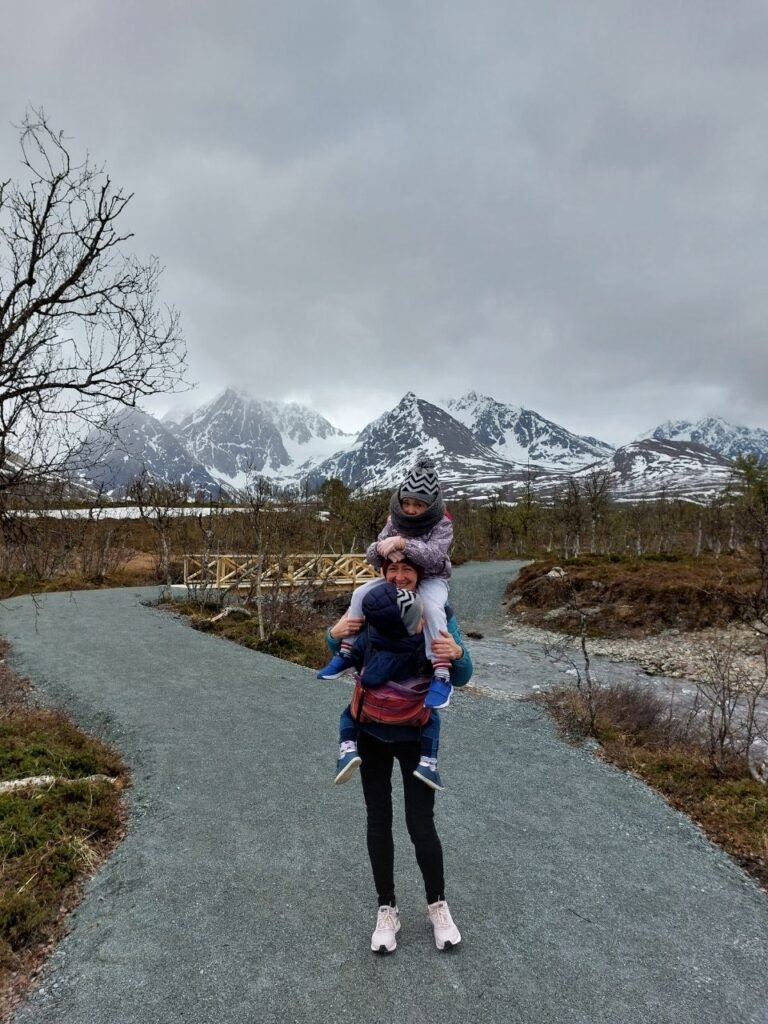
(402,575)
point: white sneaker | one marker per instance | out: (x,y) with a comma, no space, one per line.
(447,935)
(384,938)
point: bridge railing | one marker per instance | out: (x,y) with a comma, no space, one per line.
(246,572)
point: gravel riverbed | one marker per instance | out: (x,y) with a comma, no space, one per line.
(673,653)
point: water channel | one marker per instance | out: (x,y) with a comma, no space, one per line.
(517,668)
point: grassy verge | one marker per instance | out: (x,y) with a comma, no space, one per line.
(298,635)
(53,837)
(141,572)
(635,733)
(634,597)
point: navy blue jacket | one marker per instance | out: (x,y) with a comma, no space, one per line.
(385,652)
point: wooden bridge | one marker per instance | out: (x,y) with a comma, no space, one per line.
(287,572)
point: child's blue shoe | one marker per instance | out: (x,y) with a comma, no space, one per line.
(429,776)
(336,667)
(439,694)
(346,765)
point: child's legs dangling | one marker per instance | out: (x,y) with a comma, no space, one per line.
(433,592)
(348,727)
(356,611)
(426,770)
(342,662)
(356,601)
(349,759)
(430,739)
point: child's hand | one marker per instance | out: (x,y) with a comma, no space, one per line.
(346,626)
(445,646)
(386,547)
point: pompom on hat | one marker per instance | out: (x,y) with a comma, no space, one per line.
(421,482)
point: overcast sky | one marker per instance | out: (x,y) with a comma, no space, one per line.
(560,204)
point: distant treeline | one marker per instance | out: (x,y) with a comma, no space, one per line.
(581,519)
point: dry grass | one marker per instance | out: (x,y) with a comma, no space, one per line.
(139,571)
(51,839)
(634,597)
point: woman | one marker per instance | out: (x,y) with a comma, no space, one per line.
(379,745)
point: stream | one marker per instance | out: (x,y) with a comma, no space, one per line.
(518,668)
(506,665)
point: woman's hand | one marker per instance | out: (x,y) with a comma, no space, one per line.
(445,646)
(346,626)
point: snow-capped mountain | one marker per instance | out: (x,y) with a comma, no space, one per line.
(136,442)
(387,448)
(654,468)
(522,435)
(729,439)
(480,447)
(236,437)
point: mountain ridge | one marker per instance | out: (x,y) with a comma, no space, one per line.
(715,432)
(227,441)
(523,435)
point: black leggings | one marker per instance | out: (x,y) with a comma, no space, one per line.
(376,773)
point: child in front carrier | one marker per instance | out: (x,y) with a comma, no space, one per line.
(419,529)
(390,657)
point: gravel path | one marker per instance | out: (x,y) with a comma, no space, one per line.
(242,892)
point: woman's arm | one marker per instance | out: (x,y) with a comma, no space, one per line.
(454,647)
(347,625)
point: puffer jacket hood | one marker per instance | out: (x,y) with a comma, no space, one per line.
(382,611)
(387,652)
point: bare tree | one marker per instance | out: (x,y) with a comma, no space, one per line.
(730,702)
(158,505)
(569,509)
(571,649)
(80,324)
(596,488)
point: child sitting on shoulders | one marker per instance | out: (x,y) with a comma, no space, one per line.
(419,529)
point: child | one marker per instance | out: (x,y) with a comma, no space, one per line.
(390,658)
(419,529)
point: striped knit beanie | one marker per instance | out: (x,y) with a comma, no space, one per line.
(411,609)
(421,482)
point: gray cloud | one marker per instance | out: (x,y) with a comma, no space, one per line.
(561,205)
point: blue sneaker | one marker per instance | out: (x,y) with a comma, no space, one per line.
(346,765)
(439,694)
(429,776)
(336,667)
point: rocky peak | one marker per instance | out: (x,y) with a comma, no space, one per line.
(729,439)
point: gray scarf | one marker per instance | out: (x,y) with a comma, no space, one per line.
(414,526)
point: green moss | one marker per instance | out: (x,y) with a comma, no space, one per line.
(44,743)
(48,839)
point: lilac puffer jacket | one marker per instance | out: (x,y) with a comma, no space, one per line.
(430,550)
